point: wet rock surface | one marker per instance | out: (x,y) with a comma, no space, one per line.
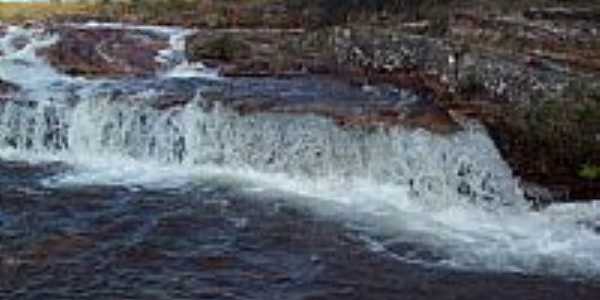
(495,67)
(106,52)
(260,52)
(349,105)
(367,59)
(7,90)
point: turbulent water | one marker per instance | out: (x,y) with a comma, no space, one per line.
(134,200)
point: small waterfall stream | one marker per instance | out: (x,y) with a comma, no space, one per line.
(452,194)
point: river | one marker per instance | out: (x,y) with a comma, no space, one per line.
(107,193)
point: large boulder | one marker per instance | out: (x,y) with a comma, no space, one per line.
(105,52)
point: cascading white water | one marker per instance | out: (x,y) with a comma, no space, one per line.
(174,58)
(453,194)
(464,166)
(22,66)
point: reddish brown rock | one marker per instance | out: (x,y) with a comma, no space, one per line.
(260,52)
(105,52)
(348,106)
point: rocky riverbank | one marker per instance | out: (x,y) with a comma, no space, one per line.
(106,52)
(531,75)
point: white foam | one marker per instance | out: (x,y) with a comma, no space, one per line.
(451,194)
(174,57)
(23,67)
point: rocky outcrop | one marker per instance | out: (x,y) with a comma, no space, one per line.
(261,52)
(385,50)
(383,54)
(533,77)
(363,55)
(382,106)
(517,60)
(105,51)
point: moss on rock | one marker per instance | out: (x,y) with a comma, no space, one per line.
(225,47)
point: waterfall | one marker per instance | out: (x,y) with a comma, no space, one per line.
(453,194)
(464,166)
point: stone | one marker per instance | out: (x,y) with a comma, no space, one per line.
(260,52)
(7,90)
(378,106)
(105,52)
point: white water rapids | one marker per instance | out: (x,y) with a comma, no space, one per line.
(453,195)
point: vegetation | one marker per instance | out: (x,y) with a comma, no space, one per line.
(231,13)
(225,48)
(551,139)
(590,172)
(17,12)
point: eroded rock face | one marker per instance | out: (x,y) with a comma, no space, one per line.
(361,55)
(533,77)
(105,51)
(409,61)
(518,59)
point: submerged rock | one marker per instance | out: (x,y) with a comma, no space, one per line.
(7,90)
(105,52)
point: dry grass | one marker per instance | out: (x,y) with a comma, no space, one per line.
(13,12)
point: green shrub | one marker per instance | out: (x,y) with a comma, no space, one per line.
(589,172)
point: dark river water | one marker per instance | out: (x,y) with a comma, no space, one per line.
(156,188)
(209,241)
